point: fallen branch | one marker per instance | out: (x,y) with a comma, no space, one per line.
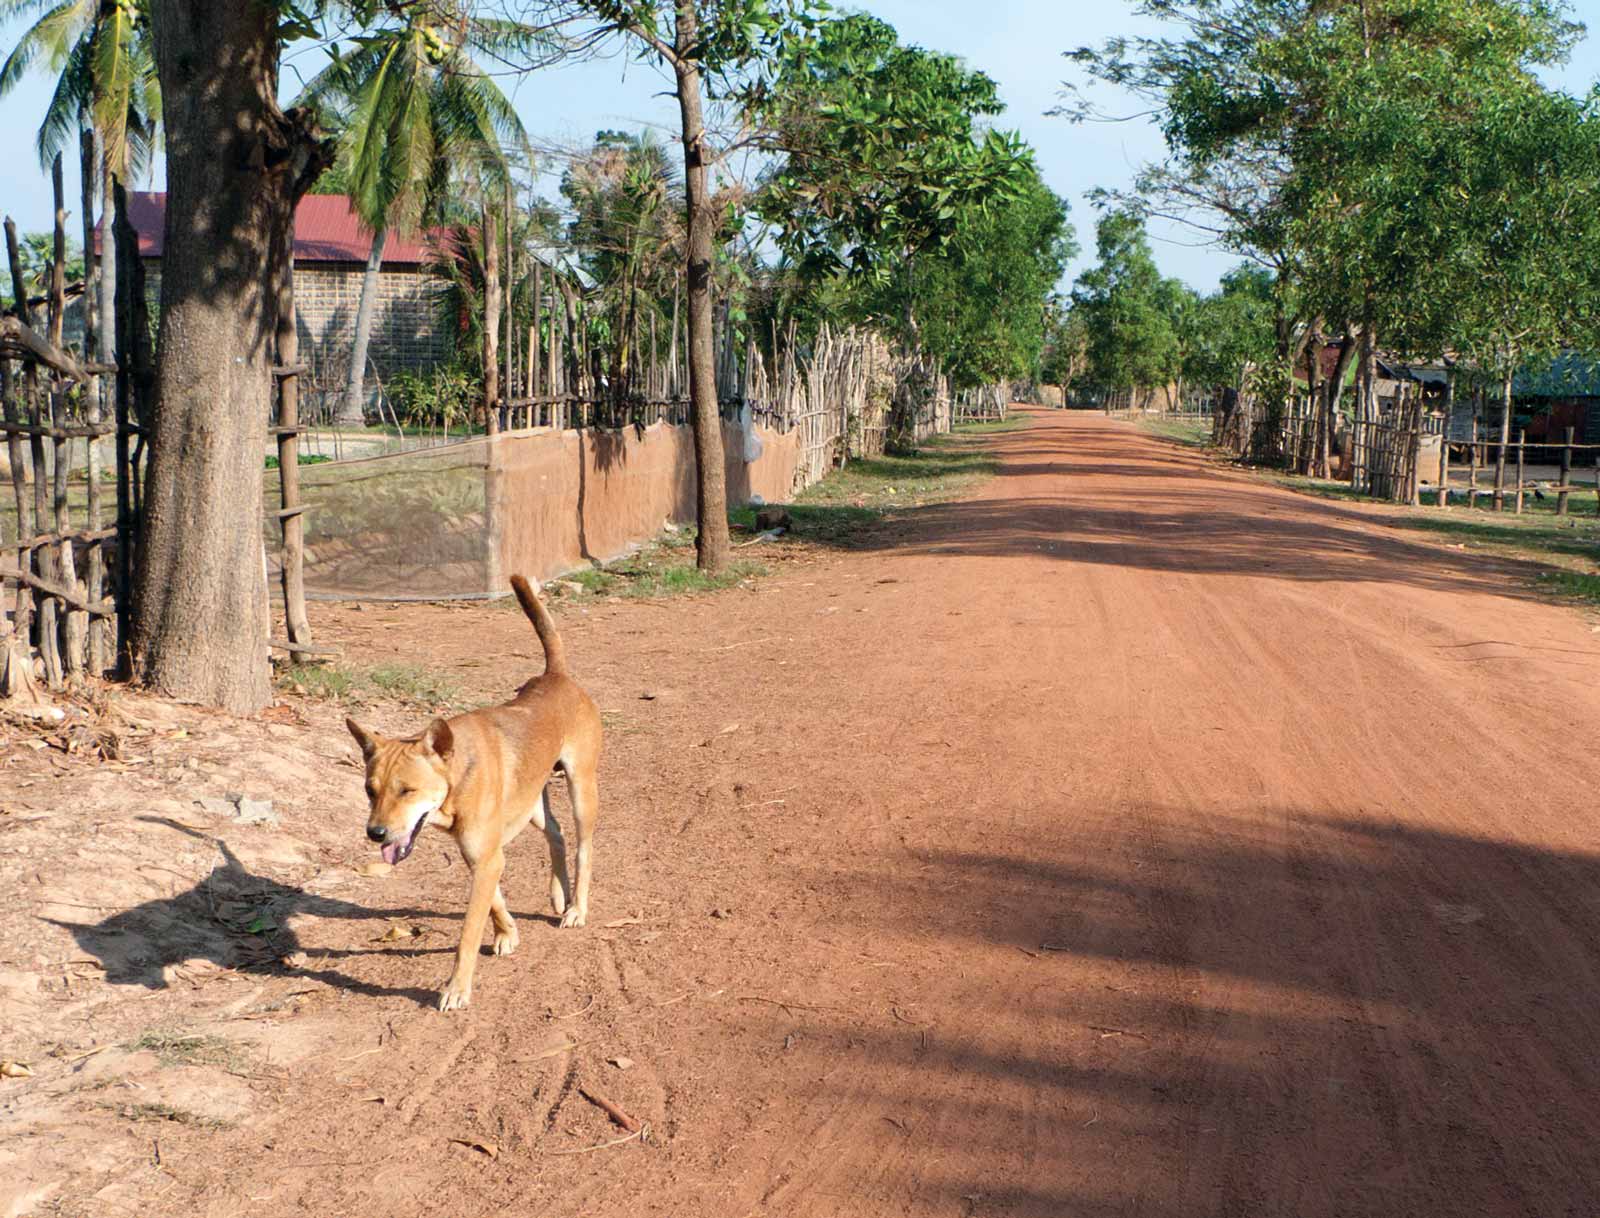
(789,1006)
(589,1150)
(1105,1032)
(611,1110)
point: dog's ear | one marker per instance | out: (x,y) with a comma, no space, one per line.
(438,739)
(367,740)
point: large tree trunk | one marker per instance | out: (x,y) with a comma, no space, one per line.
(1334,393)
(353,413)
(491,319)
(711,500)
(200,617)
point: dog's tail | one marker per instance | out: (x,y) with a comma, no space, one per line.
(555,655)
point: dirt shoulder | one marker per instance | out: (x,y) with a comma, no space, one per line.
(1127,835)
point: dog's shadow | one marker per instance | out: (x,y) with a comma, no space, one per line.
(238,920)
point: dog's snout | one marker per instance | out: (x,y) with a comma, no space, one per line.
(377,832)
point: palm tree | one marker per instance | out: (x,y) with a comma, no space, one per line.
(628,223)
(416,115)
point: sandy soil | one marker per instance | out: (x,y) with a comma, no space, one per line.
(1129,838)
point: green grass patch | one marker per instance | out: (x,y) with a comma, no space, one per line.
(302,459)
(1576,585)
(342,683)
(323,681)
(412,684)
(658,570)
(1192,433)
(990,427)
(1570,544)
(850,501)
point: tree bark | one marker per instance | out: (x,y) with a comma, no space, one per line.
(1366,403)
(201,621)
(353,413)
(1334,394)
(106,321)
(88,175)
(1505,429)
(711,498)
(491,319)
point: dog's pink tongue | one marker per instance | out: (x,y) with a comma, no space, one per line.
(391,852)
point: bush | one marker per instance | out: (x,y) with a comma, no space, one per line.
(446,396)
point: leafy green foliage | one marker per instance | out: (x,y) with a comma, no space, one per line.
(980,300)
(413,109)
(101,54)
(443,397)
(1397,163)
(883,155)
(1128,311)
(37,252)
(1231,330)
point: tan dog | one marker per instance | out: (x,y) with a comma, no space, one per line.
(482,777)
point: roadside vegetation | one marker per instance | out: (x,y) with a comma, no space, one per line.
(1569,545)
(335,681)
(1191,433)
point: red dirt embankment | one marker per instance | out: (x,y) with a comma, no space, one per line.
(1129,838)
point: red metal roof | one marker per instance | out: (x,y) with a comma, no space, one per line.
(325,230)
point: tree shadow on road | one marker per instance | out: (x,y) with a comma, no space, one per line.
(1282,1013)
(1169,511)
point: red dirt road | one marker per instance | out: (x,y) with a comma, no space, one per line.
(1131,838)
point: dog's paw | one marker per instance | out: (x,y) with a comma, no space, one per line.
(455,996)
(505,942)
(574,917)
(558,895)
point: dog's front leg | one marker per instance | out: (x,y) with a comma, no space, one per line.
(485,880)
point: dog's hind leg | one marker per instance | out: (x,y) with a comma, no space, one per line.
(560,894)
(505,929)
(585,810)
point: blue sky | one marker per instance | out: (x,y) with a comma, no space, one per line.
(1018,42)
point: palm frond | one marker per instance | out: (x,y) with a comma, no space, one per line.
(115,69)
(52,37)
(69,103)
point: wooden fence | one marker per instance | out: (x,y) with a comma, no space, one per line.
(59,614)
(66,601)
(983,404)
(846,393)
(1483,461)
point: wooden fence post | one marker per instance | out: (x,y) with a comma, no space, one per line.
(1522,449)
(1444,464)
(1472,466)
(1566,473)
